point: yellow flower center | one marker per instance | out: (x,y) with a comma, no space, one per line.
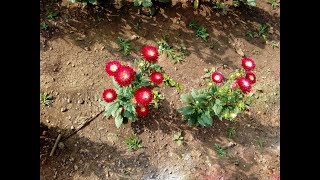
(248,63)
(124,75)
(143,109)
(151,53)
(113,67)
(145,95)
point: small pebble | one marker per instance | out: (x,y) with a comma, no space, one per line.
(64,109)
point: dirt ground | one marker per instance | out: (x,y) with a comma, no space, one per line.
(73,54)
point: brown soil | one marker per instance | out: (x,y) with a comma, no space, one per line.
(74,51)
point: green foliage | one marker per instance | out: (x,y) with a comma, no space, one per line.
(144,3)
(221,152)
(177,137)
(177,55)
(44,26)
(274,44)
(45,99)
(125,45)
(123,108)
(231,131)
(52,15)
(274,4)
(262,32)
(222,6)
(214,100)
(249,3)
(200,31)
(157,97)
(168,81)
(133,143)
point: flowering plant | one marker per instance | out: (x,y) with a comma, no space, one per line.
(223,97)
(134,91)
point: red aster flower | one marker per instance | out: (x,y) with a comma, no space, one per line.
(156,77)
(143,96)
(248,64)
(142,111)
(244,84)
(125,76)
(109,95)
(217,77)
(251,77)
(149,53)
(112,67)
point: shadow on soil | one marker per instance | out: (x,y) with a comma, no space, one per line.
(104,24)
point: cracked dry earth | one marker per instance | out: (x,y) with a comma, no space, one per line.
(73,54)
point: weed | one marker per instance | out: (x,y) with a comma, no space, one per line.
(52,15)
(274,4)
(44,26)
(125,45)
(45,99)
(177,55)
(133,143)
(200,31)
(231,131)
(221,152)
(178,138)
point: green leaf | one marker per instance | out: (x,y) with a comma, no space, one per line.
(187,98)
(205,119)
(137,2)
(188,110)
(118,120)
(251,2)
(179,142)
(111,109)
(217,108)
(146,3)
(196,4)
(94,2)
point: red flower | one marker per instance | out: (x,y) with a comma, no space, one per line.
(156,77)
(217,77)
(244,84)
(142,111)
(248,64)
(251,77)
(143,96)
(112,67)
(109,95)
(125,76)
(149,53)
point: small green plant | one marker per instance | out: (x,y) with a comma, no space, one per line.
(222,6)
(231,131)
(133,143)
(52,15)
(200,31)
(274,4)
(157,97)
(147,7)
(274,44)
(177,55)
(177,137)
(168,81)
(44,26)
(125,45)
(45,99)
(263,30)
(137,26)
(261,143)
(223,98)
(221,152)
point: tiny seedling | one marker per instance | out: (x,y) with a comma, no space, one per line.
(254,51)
(200,31)
(274,4)
(125,45)
(263,30)
(231,131)
(177,55)
(251,34)
(261,143)
(221,152)
(221,6)
(52,15)
(168,81)
(212,45)
(156,98)
(45,99)
(133,143)
(274,44)
(177,137)
(44,26)
(137,26)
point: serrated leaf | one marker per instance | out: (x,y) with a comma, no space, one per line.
(251,2)
(188,110)
(111,108)
(118,120)
(117,111)
(217,109)
(205,119)
(186,98)
(146,3)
